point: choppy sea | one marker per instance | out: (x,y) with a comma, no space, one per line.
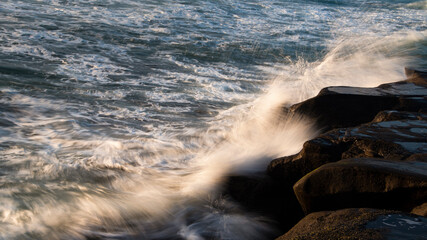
(119,119)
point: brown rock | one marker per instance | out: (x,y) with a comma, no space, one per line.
(420,210)
(391,135)
(314,154)
(419,157)
(363,183)
(415,76)
(333,110)
(393,115)
(337,107)
(393,140)
(358,224)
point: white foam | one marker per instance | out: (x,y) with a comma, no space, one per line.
(109,174)
(410,222)
(360,62)
(90,68)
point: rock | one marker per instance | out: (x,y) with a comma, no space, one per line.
(400,226)
(415,76)
(393,115)
(410,73)
(363,183)
(394,140)
(267,197)
(392,134)
(348,110)
(419,157)
(420,210)
(391,139)
(399,140)
(359,224)
(273,195)
(316,152)
(338,107)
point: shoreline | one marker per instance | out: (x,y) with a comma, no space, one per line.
(370,161)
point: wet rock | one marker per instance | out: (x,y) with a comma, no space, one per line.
(420,210)
(393,115)
(400,226)
(348,110)
(374,183)
(263,195)
(359,224)
(416,76)
(419,157)
(398,140)
(391,134)
(316,152)
(338,107)
(394,140)
(395,129)
(391,139)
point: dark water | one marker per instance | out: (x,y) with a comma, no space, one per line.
(119,118)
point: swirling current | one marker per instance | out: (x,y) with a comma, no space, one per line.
(119,119)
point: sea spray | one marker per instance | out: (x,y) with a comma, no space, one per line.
(364,61)
(121,119)
(141,201)
(261,133)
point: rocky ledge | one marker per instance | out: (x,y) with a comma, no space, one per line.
(358,223)
(368,166)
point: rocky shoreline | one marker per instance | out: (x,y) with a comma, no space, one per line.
(364,177)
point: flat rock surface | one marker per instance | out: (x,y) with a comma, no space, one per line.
(402,136)
(392,115)
(398,89)
(360,224)
(373,183)
(337,107)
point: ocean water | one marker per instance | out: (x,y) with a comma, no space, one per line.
(119,119)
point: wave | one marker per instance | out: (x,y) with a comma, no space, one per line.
(420,5)
(183,198)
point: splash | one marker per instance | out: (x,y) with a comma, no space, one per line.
(136,201)
(365,61)
(140,201)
